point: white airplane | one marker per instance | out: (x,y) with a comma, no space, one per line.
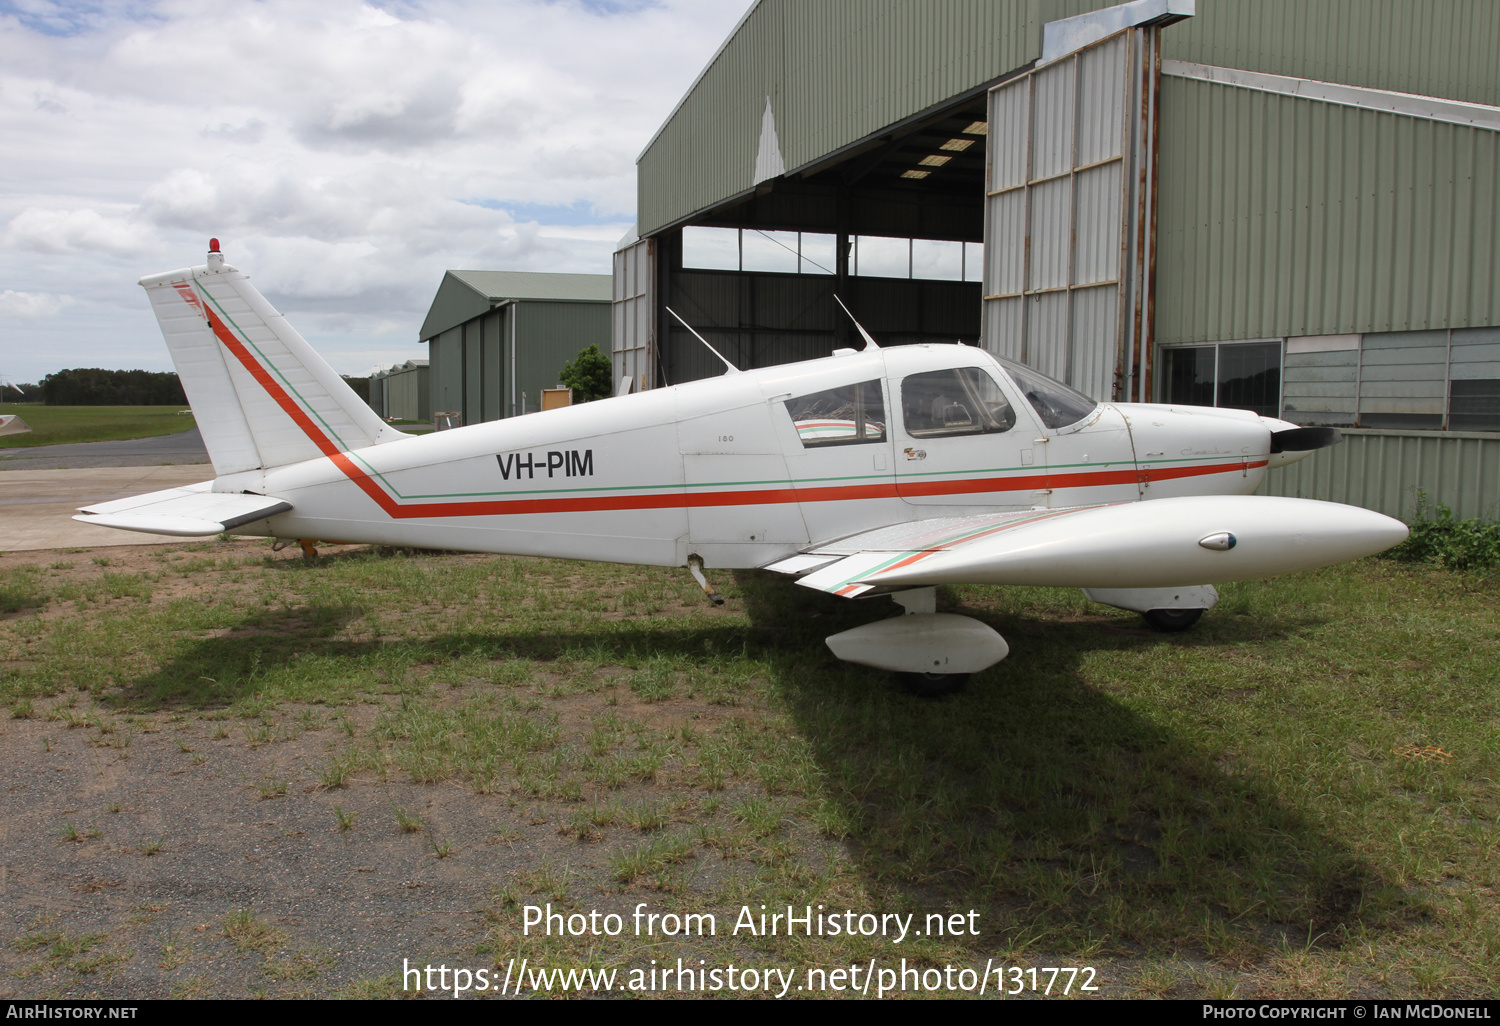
(872,472)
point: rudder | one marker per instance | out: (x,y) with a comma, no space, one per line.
(261,395)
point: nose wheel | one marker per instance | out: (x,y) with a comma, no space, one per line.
(1172,619)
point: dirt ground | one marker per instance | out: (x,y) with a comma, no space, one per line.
(192,853)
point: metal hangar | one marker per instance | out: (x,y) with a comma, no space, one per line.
(497,338)
(1289,206)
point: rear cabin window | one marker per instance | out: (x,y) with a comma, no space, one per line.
(962,401)
(848,415)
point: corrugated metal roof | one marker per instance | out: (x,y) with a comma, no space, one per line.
(464,295)
(494,285)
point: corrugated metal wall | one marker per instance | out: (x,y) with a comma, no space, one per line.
(492,390)
(1437,48)
(445,358)
(470,364)
(377,394)
(549,335)
(838,71)
(406,395)
(1385,470)
(1286,216)
(706,152)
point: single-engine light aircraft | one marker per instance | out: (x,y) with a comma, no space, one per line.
(881,471)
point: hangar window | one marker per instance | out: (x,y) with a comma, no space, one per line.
(754,249)
(848,415)
(1241,376)
(1474,379)
(961,401)
(879,256)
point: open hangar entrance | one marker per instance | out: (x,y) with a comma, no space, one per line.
(1014,212)
(894,227)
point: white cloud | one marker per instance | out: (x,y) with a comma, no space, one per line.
(81,229)
(345,153)
(32,304)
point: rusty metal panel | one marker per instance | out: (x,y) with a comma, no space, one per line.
(1387,470)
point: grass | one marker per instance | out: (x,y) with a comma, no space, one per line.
(248,932)
(54,425)
(1252,808)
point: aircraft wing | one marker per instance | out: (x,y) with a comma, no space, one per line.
(185,512)
(1162,543)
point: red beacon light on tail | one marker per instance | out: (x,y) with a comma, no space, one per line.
(215,258)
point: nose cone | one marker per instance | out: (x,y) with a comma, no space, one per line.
(1382,532)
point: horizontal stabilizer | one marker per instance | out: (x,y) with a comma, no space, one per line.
(183,512)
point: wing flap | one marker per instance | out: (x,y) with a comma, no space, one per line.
(187,512)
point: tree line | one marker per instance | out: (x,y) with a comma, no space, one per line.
(94,386)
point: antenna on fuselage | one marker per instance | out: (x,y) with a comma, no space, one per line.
(732,369)
(870,342)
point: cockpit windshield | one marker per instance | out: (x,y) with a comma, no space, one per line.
(1055,403)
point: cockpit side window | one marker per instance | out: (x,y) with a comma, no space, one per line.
(847,415)
(1056,404)
(960,401)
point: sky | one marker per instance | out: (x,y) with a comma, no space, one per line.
(345,154)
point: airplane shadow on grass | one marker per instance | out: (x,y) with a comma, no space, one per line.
(1074,823)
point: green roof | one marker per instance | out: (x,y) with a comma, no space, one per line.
(464,295)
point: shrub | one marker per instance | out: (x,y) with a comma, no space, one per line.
(588,376)
(1456,544)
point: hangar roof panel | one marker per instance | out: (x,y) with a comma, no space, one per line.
(841,74)
(464,295)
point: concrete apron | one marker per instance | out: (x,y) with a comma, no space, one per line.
(36,506)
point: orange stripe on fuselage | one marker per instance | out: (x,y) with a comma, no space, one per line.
(667,500)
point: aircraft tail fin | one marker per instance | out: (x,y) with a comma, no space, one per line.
(261,395)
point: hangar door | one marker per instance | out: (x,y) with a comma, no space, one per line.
(1069,219)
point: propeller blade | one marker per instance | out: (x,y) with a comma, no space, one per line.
(1305,439)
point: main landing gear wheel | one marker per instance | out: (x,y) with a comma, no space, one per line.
(1172,619)
(933,685)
